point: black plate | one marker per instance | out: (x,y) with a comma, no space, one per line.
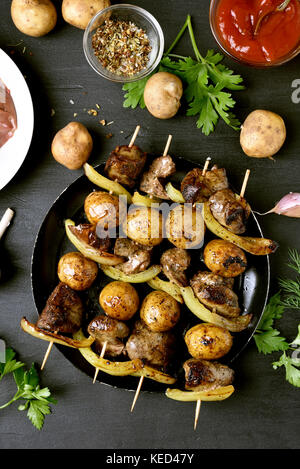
(51,243)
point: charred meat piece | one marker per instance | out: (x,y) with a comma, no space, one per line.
(63,311)
(125,164)
(174,263)
(106,329)
(87,234)
(211,279)
(193,187)
(198,188)
(229,211)
(139,257)
(155,348)
(204,375)
(215,292)
(216,179)
(152,181)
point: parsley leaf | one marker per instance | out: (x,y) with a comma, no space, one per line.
(273,310)
(135,93)
(10,364)
(270,341)
(36,400)
(267,338)
(292,371)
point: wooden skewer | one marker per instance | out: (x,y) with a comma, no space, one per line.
(5,221)
(206,165)
(134,136)
(137,392)
(245,182)
(101,356)
(47,353)
(197,412)
(168,144)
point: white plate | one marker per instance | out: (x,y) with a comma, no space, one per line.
(14,151)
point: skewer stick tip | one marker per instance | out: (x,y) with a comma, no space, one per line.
(47,354)
(168,144)
(137,129)
(245,182)
(197,412)
(137,393)
(205,168)
(101,356)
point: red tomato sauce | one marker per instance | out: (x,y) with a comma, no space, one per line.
(277,35)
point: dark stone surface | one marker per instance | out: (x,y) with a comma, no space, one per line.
(264,411)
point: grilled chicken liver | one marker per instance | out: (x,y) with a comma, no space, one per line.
(204,375)
(125,164)
(155,348)
(152,181)
(106,329)
(198,188)
(174,263)
(229,211)
(139,257)
(216,293)
(87,233)
(63,311)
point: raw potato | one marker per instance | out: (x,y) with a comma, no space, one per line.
(144,226)
(34,17)
(160,311)
(263,134)
(224,258)
(185,227)
(77,271)
(79,13)
(72,145)
(102,208)
(208,341)
(162,95)
(119,300)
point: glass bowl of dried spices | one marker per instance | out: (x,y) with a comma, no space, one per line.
(123,43)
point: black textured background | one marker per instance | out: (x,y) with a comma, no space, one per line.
(264,411)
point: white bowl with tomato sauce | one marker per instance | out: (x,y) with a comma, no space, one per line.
(253,32)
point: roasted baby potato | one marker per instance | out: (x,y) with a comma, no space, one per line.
(162,95)
(72,145)
(119,300)
(160,311)
(102,208)
(185,227)
(208,341)
(144,225)
(224,258)
(34,17)
(79,13)
(77,271)
(263,134)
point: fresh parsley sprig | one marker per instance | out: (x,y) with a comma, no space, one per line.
(267,338)
(36,400)
(206,81)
